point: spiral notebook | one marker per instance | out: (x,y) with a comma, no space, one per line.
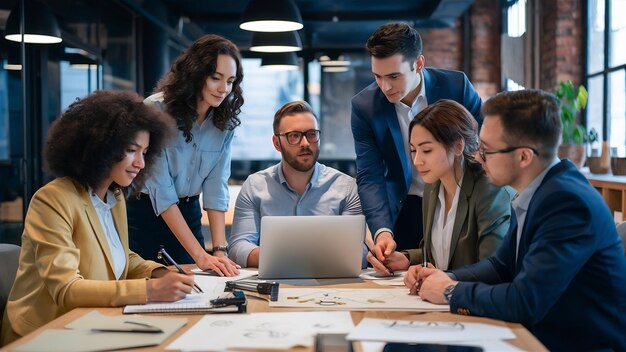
(192,304)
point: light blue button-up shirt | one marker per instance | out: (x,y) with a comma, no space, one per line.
(521,202)
(188,169)
(266,192)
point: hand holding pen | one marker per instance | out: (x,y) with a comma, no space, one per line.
(163,255)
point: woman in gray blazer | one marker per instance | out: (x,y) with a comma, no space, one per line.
(465,217)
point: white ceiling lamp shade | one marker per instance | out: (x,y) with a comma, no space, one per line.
(279,42)
(271,16)
(335,69)
(280,61)
(339,60)
(40,25)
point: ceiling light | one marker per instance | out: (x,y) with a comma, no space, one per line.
(278,42)
(341,60)
(271,16)
(335,69)
(13,61)
(280,61)
(40,25)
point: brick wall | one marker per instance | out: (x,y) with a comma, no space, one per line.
(562,51)
(561,40)
(485,19)
(443,47)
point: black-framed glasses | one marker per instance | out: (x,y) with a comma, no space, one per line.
(294,137)
(483,153)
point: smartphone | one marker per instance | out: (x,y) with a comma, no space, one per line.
(332,343)
(428,347)
(236,298)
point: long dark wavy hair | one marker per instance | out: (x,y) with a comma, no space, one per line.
(448,121)
(187,76)
(92,135)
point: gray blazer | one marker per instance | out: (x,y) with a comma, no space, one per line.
(482,220)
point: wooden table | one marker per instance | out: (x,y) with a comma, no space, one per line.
(524,339)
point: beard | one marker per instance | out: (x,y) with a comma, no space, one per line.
(299,165)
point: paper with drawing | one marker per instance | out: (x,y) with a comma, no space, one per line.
(261,330)
(413,331)
(353,299)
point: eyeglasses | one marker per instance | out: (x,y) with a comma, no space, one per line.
(295,137)
(483,153)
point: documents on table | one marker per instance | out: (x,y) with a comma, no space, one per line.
(86,333)
(193,303)
(414,331)
(354,299)
(397,279)
(243,274)
(261,330)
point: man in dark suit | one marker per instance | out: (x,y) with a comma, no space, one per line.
(560,270)
(380,118)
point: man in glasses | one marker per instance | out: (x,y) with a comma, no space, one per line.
(561,270)
(298,185)
(390,189)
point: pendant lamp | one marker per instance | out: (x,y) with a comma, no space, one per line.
(271,16)
(280,61)
(278,42)
(40,25)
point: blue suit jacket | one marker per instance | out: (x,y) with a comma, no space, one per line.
(568,284)
(383,168)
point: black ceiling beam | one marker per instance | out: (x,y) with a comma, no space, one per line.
(328,16)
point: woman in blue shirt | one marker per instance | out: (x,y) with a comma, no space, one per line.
(202,92)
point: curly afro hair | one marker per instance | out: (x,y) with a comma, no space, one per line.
(91,136)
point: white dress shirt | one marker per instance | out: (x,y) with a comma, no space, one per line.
(441,234)
(106,219)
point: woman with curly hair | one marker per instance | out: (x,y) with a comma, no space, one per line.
(465,217)
(202,92)
(75,242)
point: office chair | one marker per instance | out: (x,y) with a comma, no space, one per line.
(621,230)
(9,260)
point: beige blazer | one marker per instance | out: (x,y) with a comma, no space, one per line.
(482,220)
(65,261)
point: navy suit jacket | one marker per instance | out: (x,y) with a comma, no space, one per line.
(568,284)
(383,169)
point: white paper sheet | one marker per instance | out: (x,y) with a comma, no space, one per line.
(397,279)
(261,330)
(353,299)
(390,330)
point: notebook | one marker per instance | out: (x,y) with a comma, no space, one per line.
(311,247)
(199,303)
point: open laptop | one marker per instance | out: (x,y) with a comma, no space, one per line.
(311,247)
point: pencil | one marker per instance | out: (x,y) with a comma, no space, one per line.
(171,261)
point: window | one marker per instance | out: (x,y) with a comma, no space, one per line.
(606,71)
(264,92)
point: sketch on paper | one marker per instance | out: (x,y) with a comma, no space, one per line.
(351,298)
(261,330)
(423,326)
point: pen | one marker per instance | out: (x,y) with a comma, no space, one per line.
(143,328)
(374,255)
(162,254)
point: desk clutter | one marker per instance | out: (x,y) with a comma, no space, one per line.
(97,332)
(322,312)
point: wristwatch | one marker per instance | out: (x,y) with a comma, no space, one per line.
(447,293)
(221,248)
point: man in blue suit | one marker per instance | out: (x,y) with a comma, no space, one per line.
(380,118)
(560,270)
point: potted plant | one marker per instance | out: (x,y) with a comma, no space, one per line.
(572,100)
